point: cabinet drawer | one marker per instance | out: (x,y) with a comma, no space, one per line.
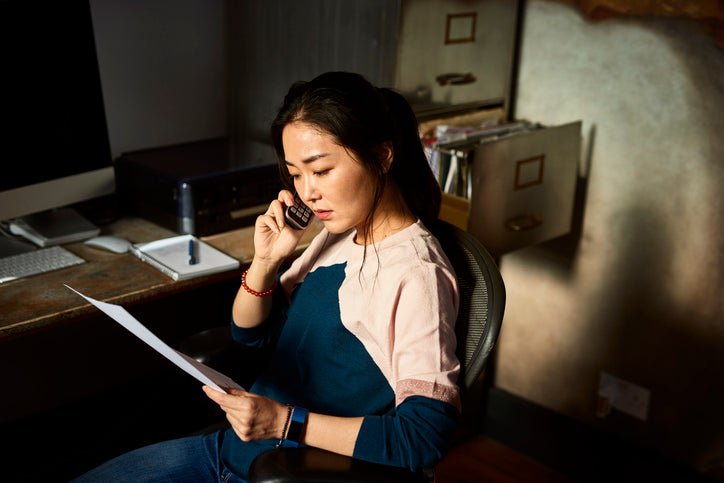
(523,187)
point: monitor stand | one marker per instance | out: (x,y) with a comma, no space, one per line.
(54,227)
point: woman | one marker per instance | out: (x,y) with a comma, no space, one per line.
(362,323)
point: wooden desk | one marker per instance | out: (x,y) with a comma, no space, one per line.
(56,349)
(36,302)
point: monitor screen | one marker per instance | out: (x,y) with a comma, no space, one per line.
(54,146)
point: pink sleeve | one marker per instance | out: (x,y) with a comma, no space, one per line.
(423,357)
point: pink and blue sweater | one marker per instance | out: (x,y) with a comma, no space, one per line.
(373,339)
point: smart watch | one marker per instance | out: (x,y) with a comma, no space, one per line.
(296,427)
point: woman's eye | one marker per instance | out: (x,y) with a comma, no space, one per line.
(321,172)
(294,176)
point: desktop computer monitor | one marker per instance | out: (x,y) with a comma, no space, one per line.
(54,145)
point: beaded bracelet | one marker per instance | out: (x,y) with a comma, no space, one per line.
(264,293)
(286,425)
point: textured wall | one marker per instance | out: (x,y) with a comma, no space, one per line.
(638,293)
(273,43)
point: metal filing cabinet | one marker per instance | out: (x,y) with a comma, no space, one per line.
(523,187)
(511,185)
(514,182)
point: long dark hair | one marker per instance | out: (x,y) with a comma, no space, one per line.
(364,119)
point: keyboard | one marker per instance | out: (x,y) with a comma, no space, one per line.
(37,261)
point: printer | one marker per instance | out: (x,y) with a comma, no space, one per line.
(199,188)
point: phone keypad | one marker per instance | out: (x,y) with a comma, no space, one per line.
(298,215)
(303,213)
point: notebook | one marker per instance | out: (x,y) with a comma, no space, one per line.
(184,256)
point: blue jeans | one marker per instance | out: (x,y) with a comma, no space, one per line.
(192,459)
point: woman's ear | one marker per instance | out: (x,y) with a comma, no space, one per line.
(387,155)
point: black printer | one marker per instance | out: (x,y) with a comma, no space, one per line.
(200,187)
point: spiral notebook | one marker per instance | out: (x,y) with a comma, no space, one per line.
(184,256)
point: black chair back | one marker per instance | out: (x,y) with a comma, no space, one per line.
(482,299)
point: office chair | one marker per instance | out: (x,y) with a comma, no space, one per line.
(482,302)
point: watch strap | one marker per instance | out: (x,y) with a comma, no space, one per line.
(296,426)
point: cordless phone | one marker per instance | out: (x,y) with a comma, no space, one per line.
(298,215)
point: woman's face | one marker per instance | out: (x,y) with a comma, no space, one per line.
(327,178)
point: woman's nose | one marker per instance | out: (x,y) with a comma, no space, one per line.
(307,191)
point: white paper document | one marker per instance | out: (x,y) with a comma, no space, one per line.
(201,372)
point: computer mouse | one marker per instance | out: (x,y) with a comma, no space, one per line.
(113,244)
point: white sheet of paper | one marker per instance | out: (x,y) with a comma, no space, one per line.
(201,372)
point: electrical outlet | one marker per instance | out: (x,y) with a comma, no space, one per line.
(623,395)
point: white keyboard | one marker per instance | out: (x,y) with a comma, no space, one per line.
(37,261)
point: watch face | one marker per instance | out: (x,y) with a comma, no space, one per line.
(297,424)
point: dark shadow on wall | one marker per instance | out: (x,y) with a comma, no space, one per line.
(704,62)
(640,333)
(640,330)
(644,336)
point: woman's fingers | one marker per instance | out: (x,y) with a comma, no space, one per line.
(286,197)
(276,209)
(251,416)
(240,401)
(243,431)
(268,221)
(274,216)
(220,397)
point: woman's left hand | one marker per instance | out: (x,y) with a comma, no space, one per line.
(252,417)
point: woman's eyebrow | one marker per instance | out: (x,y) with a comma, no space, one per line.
(309,159)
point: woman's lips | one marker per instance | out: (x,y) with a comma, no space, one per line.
(323,214)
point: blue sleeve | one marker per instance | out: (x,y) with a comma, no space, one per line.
(265,334)
(415,435)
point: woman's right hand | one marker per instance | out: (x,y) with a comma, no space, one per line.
(274,240)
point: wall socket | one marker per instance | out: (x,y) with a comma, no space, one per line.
(627,397)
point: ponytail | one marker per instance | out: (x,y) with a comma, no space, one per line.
(410,170)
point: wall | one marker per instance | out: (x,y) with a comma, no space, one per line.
(163,70)
(638,291)
(273,43)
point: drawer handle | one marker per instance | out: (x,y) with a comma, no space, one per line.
(523,222)
(455,79)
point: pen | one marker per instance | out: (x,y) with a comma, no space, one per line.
(192,252)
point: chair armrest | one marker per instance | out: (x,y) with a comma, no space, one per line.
(307,465)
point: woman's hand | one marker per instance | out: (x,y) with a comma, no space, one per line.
(273,239)
(252,417)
